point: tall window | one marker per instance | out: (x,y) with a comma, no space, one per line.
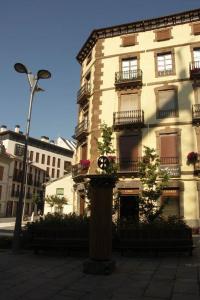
(1,172)
(43,159)
(129,68)
(164,64)
(53,161)
(48,160)
(53,173)
(129,102)
(37,157)
(58,163)
(196,57)
(169,149)
(31,156)
(167,103)
(58,173)
(128,152)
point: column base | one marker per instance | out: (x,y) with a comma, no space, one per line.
(97,267)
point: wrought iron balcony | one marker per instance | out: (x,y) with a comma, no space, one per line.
(81,130)
(170,164)
(130,118)
(196,113)
(127,165)
(195,70)
(167,113)
(79,169)
(128,78)
(83,94)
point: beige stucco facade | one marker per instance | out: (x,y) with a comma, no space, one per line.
(165,65)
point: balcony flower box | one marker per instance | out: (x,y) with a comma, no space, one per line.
(85,164)
(192,158)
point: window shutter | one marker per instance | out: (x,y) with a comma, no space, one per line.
(129,102)
(196,28)
(169,147)
(167,100)
(163,35)
(84,152)
(128,147)
(1,172)
(129,40)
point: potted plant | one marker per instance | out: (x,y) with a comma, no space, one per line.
(192,158)
(85,164)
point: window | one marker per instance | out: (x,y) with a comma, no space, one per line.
(43,159)
(129,68)
(89,58)
(1,172)
(129,102)
(163,35)
(196,28)
(53,161)
(58,173)
(31,156)
(48,160)
(0,191)
(169,149)
(164,64)
(196,58)
(67,166)
(37,157)
(128,152)
(58,163)
(53,173)
(129,40)
(47,171)
(172,203)
(167,103)
(60,191)
(19,150)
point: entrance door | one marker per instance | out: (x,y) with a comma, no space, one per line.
(129,208)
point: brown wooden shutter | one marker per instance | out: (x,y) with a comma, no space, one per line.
(163,35)
(196,28)
(129,102)
(129,40)
(167,100)
(128,147)
(1,172)
(169,148)
(84,151)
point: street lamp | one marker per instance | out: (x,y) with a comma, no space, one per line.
(33,80)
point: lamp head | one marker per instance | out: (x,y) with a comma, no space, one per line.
(20,68)
(43,74)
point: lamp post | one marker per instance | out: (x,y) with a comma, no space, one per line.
(33,80)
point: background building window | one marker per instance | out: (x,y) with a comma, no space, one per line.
(31,156)
(60,191)
(48,160)
(1,172)
(58,163)
(53,161)
(0,191)
(164,64)
(43,159)
(167,103)
(37,157)
(58,173)
(53,173)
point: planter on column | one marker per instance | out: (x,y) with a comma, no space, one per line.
(100,261)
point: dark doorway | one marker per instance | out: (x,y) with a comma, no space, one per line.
(129,207)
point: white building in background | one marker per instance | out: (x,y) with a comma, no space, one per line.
(48,160)
(62,187)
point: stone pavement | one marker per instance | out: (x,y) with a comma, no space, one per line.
(40,277)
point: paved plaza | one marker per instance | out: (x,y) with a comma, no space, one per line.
(31,277)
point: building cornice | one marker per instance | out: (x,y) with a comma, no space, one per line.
(135,27)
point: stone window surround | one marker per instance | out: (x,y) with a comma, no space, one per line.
(163,88)
(163,51)
(129,91)
(169,130)
(163,29)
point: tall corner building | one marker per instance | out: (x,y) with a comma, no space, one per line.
(143,79)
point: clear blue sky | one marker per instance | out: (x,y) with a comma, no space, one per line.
(48,34)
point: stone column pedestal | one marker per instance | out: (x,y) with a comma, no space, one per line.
(100,260)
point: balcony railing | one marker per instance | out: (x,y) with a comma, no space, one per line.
(168,113)
(79,169)
(171,165)
(195,70)
(127,165)
(81,130)
(130,78)
(196,113)
(128,118)
(83,93)
(165,72)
